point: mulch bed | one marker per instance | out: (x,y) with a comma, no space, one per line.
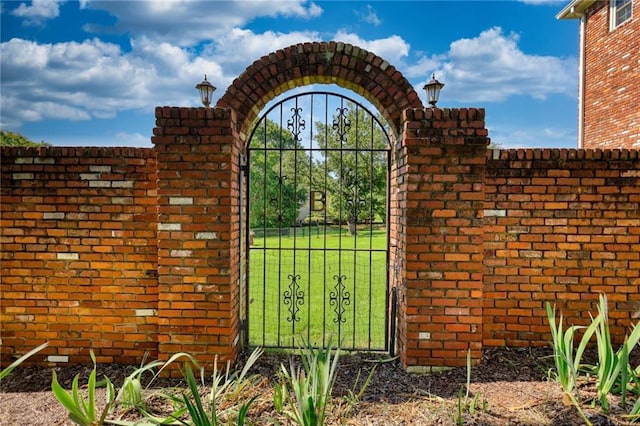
(511,385)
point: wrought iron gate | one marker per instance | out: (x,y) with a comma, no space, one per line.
(318,184)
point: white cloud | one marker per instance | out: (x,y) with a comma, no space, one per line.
(208,20)
(70,80)
(369,16)
(238,48)
(39,11)
(509,136)
(94,79)
(492,68)
(133,139)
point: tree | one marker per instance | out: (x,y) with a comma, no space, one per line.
(279,177)
(356,165)
(8,138)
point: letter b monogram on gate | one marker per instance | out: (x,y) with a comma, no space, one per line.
(318,201)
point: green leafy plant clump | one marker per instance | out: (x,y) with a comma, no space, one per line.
(83,411)
(189,407)
(304,393)
(613,372)
(308,389)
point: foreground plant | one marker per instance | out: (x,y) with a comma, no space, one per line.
(308,389)
(81,411)
(5,372)
(614,373)
(465,404)
(566,361)
(227,390)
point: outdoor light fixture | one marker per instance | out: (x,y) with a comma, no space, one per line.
(206,90)
(433,90)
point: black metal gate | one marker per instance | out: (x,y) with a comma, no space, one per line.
(318,206)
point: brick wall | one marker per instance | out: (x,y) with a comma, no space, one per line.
(611,80)
(560,226)
(79,256)
(198,232)
(441,299)
(133,250)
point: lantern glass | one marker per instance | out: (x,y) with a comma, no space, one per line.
(433,88)
(206,90)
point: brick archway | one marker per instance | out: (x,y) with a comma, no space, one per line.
(435,214)
(331,62)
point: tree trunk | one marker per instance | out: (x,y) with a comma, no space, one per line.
(352,228)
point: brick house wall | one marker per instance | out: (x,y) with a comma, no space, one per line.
(611,80)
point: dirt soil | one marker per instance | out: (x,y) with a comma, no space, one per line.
(511,386)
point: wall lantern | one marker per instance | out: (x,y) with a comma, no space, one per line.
(433,88)
(206,90)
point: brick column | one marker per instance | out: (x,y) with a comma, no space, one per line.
(441,163)
(198,225)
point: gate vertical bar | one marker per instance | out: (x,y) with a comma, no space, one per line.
(324,258)
(371,154)
(356,214)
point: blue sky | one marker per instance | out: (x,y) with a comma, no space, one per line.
(92,72)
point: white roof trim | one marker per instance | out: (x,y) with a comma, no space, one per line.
(575,9)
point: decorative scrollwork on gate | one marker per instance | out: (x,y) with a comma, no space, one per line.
(296,124)
(354,201)
(294,297)
(341,125)
(275,202)
(339,298)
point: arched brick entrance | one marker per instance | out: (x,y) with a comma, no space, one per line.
(437,200)
(332,62)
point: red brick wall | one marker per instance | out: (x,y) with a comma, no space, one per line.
(560,226)
(79,256)
(198,232)
(611,80)
(479,241)
(441,299)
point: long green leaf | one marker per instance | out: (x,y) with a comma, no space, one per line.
(242,414)
(624,364)
(69,402)
(4,373)
(91,403)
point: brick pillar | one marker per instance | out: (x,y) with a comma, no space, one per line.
(441,164)
(198,226)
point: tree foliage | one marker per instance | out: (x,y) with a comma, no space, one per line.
(279,177)
(345,165)
(8,138)
(356,166)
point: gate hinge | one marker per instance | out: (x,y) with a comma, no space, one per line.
(244,168)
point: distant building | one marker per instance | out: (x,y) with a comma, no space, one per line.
(609,73)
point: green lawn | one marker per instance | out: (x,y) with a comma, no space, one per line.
(314,264)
